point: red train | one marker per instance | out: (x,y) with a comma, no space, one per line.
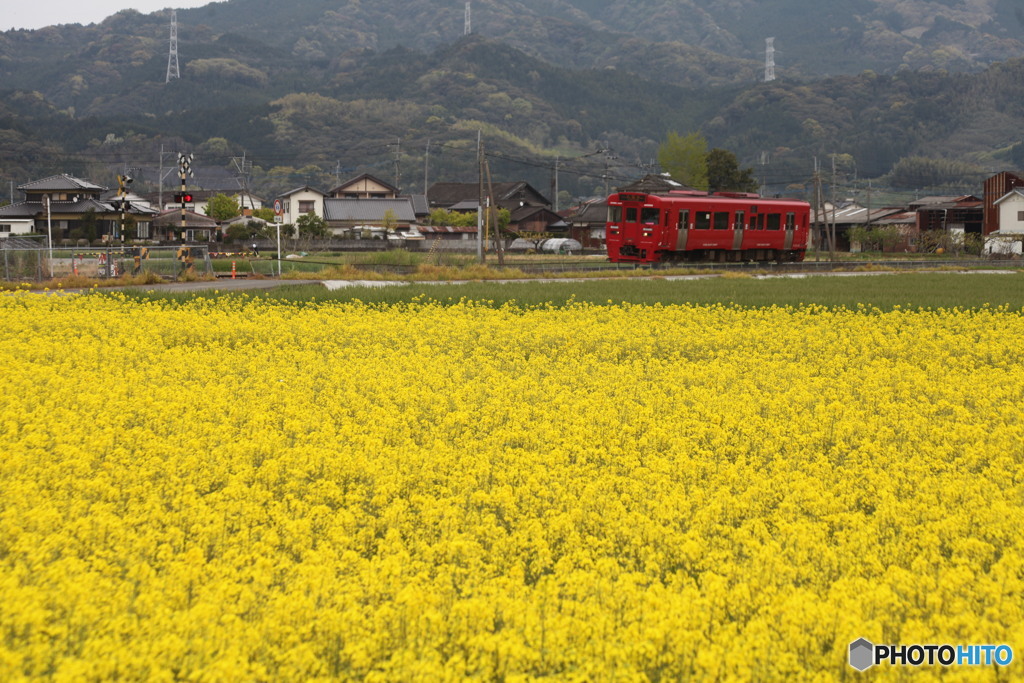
(697,226)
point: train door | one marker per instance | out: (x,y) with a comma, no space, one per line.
(682,229)
(737,226)
(790,230)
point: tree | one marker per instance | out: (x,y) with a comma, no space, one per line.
(685,159)
(88,226)
(244,231)
(312,226)
(452,218)
(222,207)
(264,213)
(725,174)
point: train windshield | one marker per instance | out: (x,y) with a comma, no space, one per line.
(650,216)
(614,214)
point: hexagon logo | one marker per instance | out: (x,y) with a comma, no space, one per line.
(862,654)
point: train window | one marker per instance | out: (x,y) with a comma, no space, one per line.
(650,216)
(684,219)
(703,221)
(774,221)
(738,221)
(721,220)
(631,214)
(614,214)
(790,221)
(753,222)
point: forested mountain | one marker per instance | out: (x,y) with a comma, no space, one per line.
(314,91)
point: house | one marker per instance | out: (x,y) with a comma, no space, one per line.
(197,228)
(847,216)
(301,201)
(63,206)
(511,195)
(537,219)
(587,223)
(345,215)
(653,183)
(200,203)
(961,214)
(1009,238)
(365,186)
(996,188)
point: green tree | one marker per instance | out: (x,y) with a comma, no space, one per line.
(452,218)
(222,207)
(685,159)
(725,174)
(389,220)
(312,226)
(266,214)
(88,227)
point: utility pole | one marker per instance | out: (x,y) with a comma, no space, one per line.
(817,211)
(832,226)
(426,167)
(867,223)
(398,161)
(480,196)
(607,166)
(554,183)
(499,246)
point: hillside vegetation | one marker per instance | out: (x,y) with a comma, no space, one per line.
(315,92)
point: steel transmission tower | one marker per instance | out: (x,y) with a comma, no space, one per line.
(769,60)
(469,22)
(172,58)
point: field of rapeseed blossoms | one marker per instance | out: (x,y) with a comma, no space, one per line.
(250,490)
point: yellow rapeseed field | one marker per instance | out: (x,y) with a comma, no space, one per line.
(246,490)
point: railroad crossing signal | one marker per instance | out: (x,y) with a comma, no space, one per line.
(185,165)
(123,181)
(183,197)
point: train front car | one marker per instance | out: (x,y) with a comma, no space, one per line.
(636,231)
(696,226)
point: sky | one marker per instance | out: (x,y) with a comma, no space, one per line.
(21,14)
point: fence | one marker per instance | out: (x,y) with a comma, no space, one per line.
(40,264)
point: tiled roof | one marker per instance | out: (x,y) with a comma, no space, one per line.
(21,210)
(446,229)
(447,194)
(419,203)
(368,210)
(304,188)
(60,183)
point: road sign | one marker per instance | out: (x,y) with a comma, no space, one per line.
(278,207)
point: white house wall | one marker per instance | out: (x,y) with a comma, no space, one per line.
(15,226)
(1010,219)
